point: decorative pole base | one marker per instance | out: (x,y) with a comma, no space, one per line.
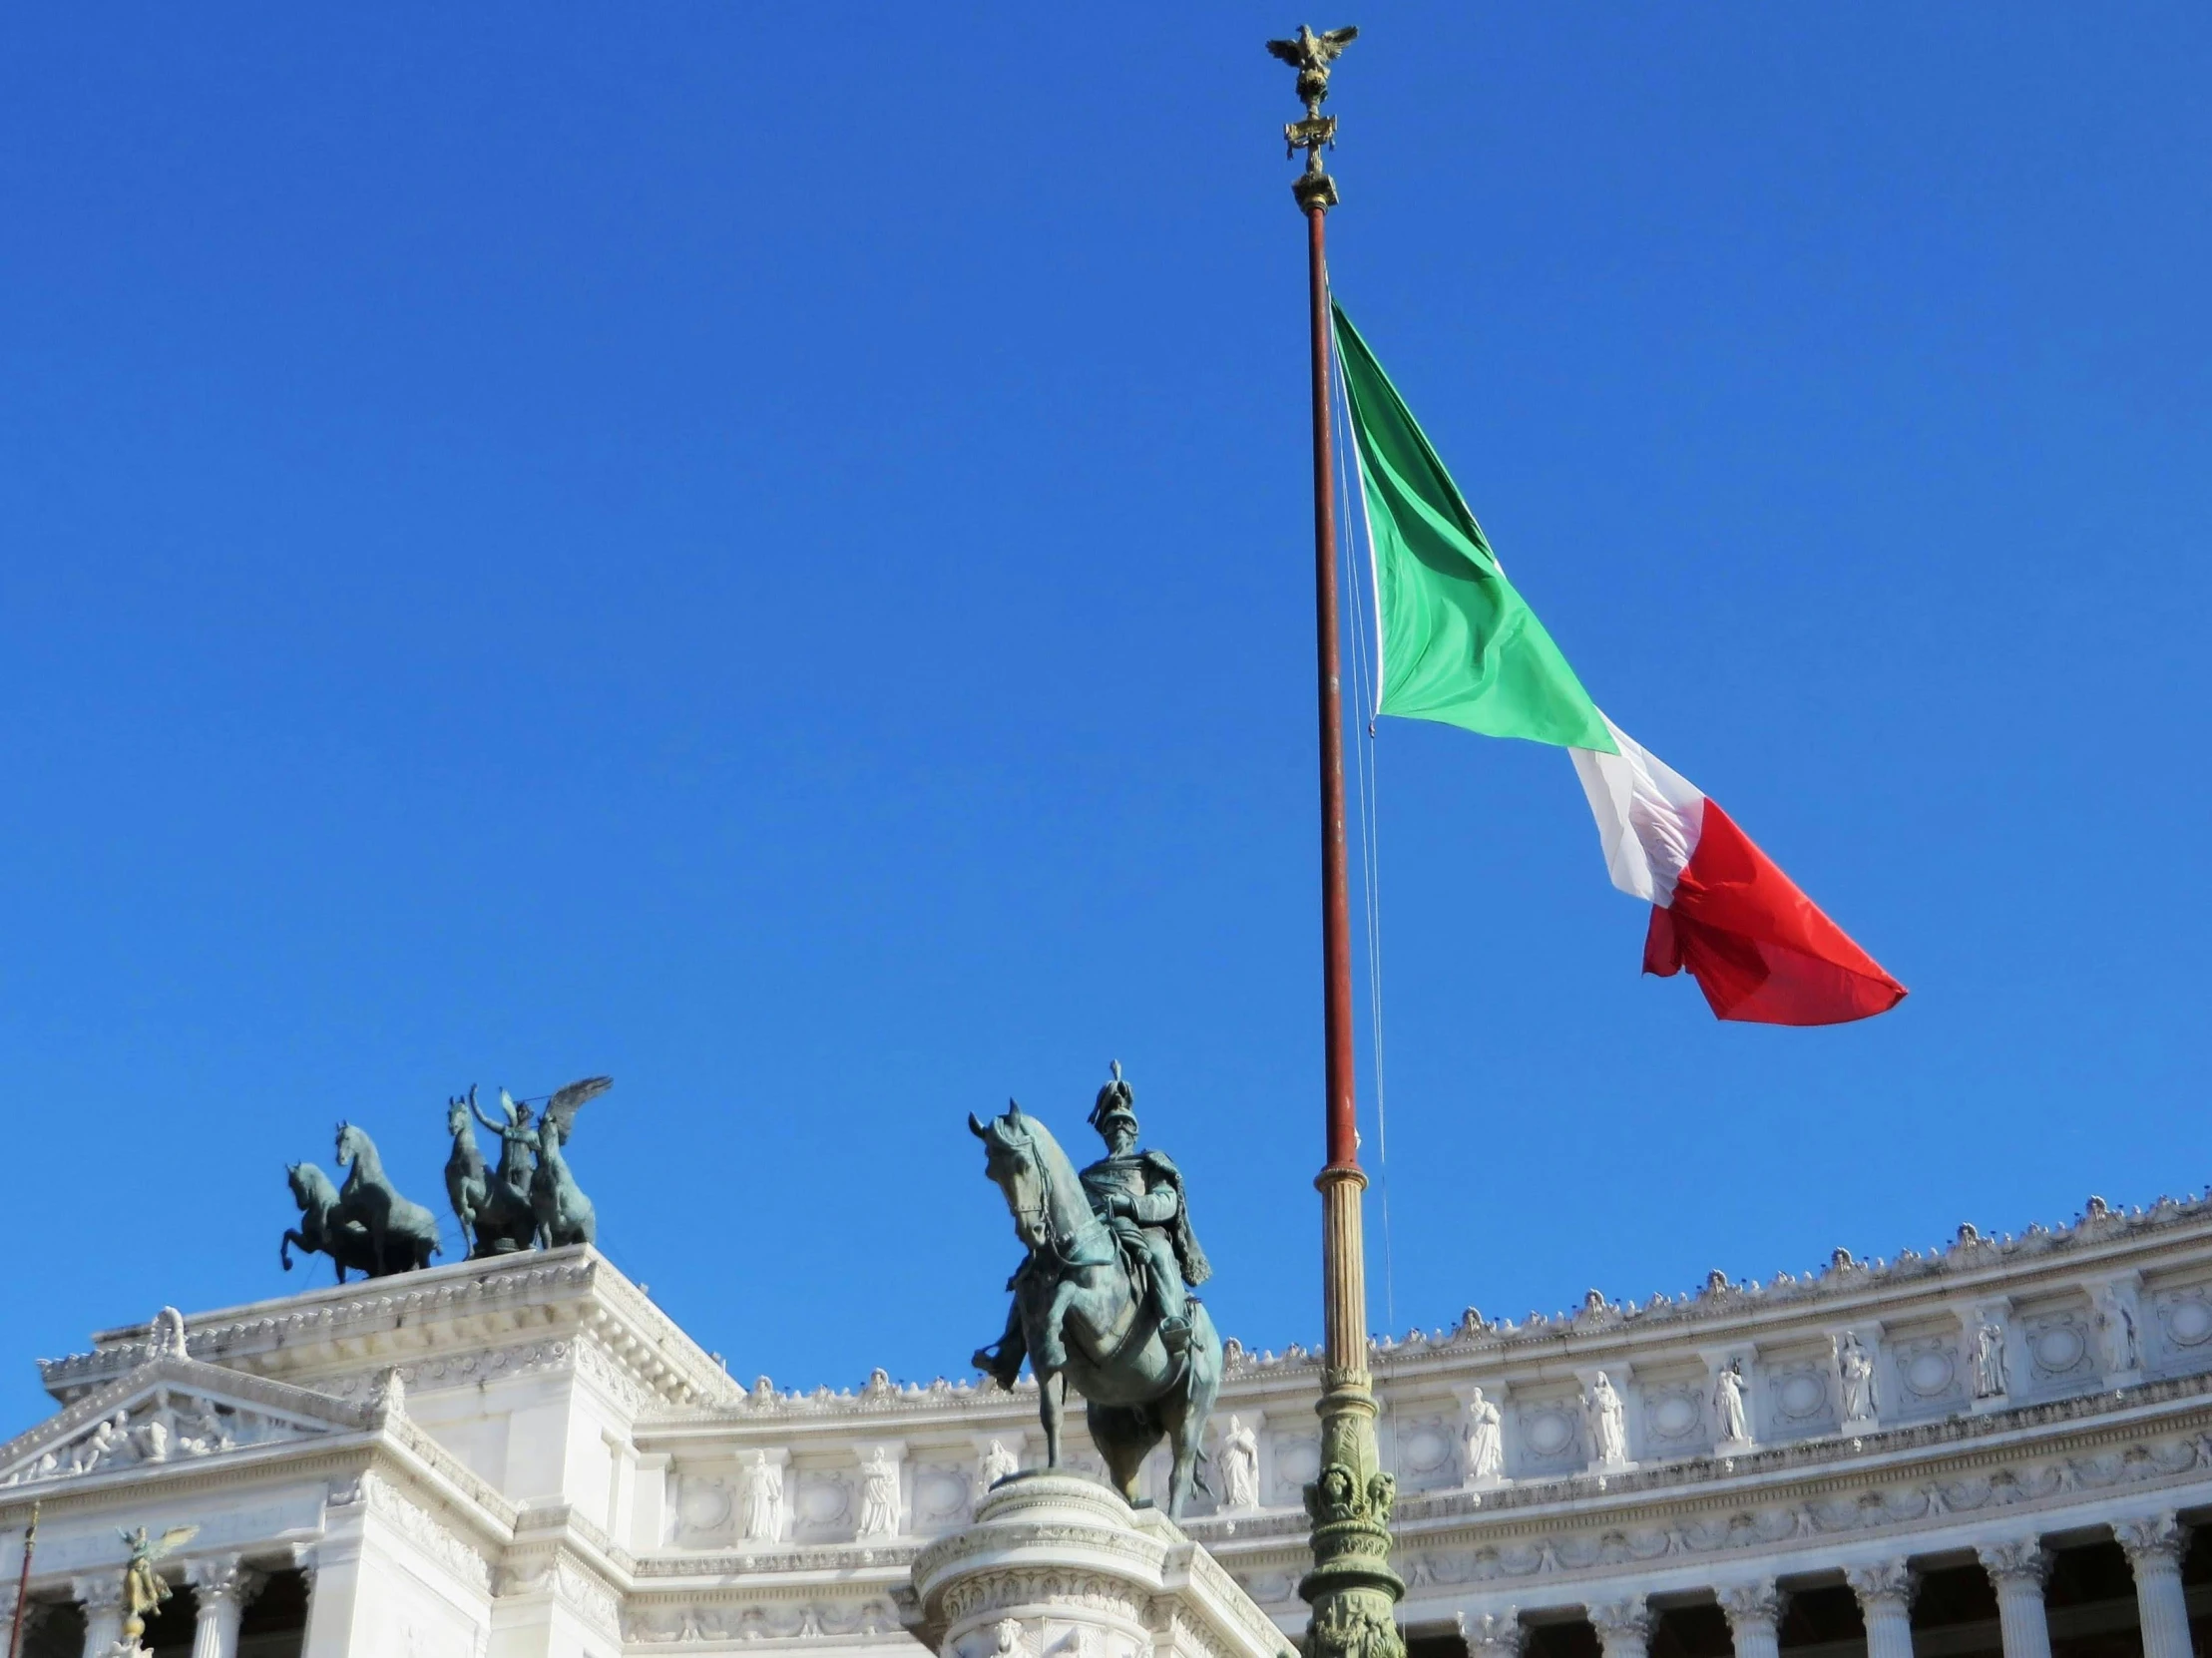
(1056,1564)
(1352,1589)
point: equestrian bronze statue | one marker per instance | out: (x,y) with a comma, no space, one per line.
(1103,1297)
(530,1201)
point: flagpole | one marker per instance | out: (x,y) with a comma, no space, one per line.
(23,1587)
(1352,1589)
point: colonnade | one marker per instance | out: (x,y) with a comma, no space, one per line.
(2018,1566)
(222,1586)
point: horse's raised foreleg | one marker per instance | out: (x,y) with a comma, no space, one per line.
(285,1249)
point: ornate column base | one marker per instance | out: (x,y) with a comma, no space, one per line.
(1057,1565)
(1352,1589)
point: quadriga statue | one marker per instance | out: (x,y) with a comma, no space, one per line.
(1101,1298)
(365,1226)
(531,1197)
(493,1208)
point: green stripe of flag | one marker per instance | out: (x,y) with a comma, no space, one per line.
(1459,644)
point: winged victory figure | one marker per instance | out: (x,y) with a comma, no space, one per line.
(142,1588)
(562,1213)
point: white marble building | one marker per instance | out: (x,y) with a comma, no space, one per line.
(1995,1446)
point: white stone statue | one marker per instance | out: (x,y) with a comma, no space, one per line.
(1857,1368)
(2116,1324)
(1240,1467)
(107,1440)
(999,1463)
(759,1500)
(879,1495)
(153,1440)
(1991,1380)
(1608,1433)
(201,1432)
(1729,1423)
(1486,1443)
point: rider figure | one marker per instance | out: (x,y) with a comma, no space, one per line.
(1138,1194)
(518,1156)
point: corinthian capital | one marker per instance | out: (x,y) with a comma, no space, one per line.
(97,1594)
(1753,1606)
(1624,1619)
(1883,1583)
(2152,1538)
(2015,1560)
(223,1577)
(1493,1634)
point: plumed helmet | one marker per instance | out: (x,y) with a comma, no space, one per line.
(1117,1103)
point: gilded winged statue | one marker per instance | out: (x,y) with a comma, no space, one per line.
(1311,55)
(142,1588)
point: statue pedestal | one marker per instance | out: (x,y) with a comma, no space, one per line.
(1056,1566)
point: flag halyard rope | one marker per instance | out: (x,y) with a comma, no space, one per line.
(1359,577)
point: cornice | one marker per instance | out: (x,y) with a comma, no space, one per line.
(1845,1292)
(448,1311)
(1786,1308)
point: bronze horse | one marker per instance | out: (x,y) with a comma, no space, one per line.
(321,1232)
(397,1229)
(1077,1318)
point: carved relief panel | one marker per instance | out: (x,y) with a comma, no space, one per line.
(703,1514)
(2060,1344)
(1930,1378)
(2179,1333)
(823,1509)
(1799,1394)
(1672,1420)
(1423,1450)
(1297,1460)
(1546,1436)
(942,1496)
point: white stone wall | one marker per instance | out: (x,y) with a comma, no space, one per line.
(565,1471)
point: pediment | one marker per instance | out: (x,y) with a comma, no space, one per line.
(172,1409)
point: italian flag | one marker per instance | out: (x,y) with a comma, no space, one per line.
(1456,642)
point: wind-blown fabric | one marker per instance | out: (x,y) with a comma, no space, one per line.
(1721,909)
(1459,644)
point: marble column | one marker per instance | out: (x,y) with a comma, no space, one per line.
(2018,1566)
(1493,1634)
(224,1584)
(101,1599)
(1885,1589)
(2155,1544)
(1624,1627)
(1754,1612)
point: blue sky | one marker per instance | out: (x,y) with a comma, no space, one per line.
(768,558)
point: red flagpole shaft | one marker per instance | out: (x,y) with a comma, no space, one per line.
(1342,1265)
(23,1588)
(1336,914)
